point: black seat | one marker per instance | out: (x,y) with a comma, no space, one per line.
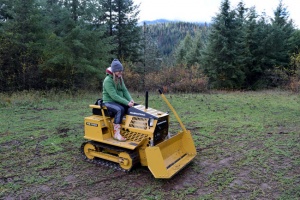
(97,111)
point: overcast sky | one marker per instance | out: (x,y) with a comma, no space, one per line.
(204,10)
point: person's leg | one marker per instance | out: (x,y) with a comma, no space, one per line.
(118,112)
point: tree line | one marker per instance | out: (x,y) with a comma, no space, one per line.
(68,44)
(64,44)
(245,50)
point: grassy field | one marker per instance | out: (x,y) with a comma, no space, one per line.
(248,146)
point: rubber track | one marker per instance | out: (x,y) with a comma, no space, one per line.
(98,161)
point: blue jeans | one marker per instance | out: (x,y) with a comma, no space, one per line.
(117,110)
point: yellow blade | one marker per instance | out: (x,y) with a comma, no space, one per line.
(169,157)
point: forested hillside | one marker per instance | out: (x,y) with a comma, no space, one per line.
(169,34)
(241,49)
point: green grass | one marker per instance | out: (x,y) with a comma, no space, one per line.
(248,147)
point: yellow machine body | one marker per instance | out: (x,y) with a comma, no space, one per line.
(148,141)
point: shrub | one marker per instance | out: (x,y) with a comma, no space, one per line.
(294,84)
(177,79)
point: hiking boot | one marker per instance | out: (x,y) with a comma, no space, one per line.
(117,134)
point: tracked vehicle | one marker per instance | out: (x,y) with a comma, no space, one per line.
(149,142)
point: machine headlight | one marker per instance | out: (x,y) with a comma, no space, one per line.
(150,122)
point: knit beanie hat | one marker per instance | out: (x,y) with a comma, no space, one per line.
(116,66)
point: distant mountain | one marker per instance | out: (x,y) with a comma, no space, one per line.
(159,21)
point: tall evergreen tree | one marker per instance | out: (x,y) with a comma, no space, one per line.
(253,40)
(219,57)
(183,50)
(240,47)
(277,57)
(194,56)
(282,29)
(121,17)
(76,54)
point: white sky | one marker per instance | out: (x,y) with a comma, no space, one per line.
(204,10)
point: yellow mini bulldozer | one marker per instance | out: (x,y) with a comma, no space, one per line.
(148,143)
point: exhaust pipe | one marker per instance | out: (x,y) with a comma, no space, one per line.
(146,100)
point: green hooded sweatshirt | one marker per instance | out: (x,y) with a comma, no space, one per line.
(115,93)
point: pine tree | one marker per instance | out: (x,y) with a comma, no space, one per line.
(219,57)
(77,53)
(240,47)
(253,68)
(282,29)
(194,56)
(183,50)
(121,18)
(277,57)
